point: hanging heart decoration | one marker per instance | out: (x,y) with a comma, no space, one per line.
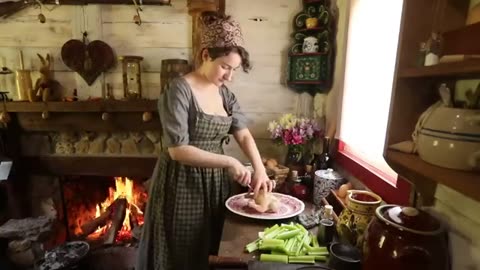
(88,59)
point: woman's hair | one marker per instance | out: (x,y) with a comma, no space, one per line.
(215,53)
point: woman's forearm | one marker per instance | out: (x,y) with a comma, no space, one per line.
(194,156)
(249,147)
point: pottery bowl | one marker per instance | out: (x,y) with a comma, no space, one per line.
(460,152)
(454,121)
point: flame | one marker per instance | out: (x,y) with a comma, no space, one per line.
(123,189)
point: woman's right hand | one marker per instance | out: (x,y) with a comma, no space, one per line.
(239,172)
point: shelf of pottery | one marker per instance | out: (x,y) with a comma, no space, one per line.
(311,57)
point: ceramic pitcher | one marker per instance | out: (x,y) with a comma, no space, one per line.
(310,45)
(354,219)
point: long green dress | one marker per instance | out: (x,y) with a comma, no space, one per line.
(185,210)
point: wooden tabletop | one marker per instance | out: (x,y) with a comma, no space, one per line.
(238,231)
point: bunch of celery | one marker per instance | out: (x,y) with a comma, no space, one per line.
(288,243)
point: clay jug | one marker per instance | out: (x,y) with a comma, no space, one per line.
(354,219)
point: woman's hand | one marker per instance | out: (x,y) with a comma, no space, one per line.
(239,172)
(261,181)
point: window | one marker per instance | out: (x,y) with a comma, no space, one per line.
(373,33)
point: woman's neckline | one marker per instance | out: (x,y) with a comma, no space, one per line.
(199,108)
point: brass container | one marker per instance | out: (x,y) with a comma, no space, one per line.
(24,85)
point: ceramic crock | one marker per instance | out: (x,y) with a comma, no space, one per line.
(450,138)
(401,238)
(323,183)
(354,219)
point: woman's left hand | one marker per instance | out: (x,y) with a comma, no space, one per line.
(260,181)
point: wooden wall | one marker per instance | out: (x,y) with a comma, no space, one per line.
(165,33)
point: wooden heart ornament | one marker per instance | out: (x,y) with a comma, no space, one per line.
(88,60)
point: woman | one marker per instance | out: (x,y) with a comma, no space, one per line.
(184,216)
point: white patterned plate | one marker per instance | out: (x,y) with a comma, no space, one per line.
(288,207)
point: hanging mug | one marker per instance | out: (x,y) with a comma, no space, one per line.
(310,45)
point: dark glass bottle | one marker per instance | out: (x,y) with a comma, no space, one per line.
(323,161)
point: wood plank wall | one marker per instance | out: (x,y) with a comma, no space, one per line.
(165,33)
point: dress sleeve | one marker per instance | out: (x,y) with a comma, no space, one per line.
(239,120)
(173,107)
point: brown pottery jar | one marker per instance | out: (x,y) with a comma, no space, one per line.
(400,238)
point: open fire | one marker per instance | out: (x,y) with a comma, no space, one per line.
(115,218)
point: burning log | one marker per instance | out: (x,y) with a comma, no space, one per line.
(118,216)
(93,225)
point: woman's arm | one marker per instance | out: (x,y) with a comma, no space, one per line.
(260,179)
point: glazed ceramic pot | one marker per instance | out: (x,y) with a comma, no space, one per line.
(323,183)
(354,219)
(311,22)
(401,238)
(450,138)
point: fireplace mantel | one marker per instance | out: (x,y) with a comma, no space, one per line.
(85,115)
(134,167)
(79,116)
(141,105)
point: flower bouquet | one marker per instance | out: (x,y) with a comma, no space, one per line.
(296,133)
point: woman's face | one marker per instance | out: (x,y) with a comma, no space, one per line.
(221,69)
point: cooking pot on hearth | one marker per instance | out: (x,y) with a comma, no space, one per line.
(400,238)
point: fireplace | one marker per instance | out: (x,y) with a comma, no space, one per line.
(86,173)
(103,210)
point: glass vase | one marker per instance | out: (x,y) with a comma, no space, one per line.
(294,159)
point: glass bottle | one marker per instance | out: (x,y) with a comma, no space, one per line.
(323,161)
(326,229)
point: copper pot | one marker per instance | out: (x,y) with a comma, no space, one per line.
(401,238)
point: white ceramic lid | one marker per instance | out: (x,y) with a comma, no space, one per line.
(328,174)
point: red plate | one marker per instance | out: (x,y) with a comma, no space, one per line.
(288,207)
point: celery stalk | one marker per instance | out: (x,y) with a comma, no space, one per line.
(321,258)
(274,227)
(301,259)
(289,227)
(314,241)
(318,253)
(272,234)
(318,249)
(288,234)
(273,258)
(251,247)
(272,244)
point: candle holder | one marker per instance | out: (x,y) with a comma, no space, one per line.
(132,78)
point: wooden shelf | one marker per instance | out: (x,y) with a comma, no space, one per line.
(84,106)
(304,82)
(464,69)
(108,2)
(91,165)
(415,169)
(303,54)
(313,29)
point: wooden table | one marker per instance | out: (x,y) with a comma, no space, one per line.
(238,231)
